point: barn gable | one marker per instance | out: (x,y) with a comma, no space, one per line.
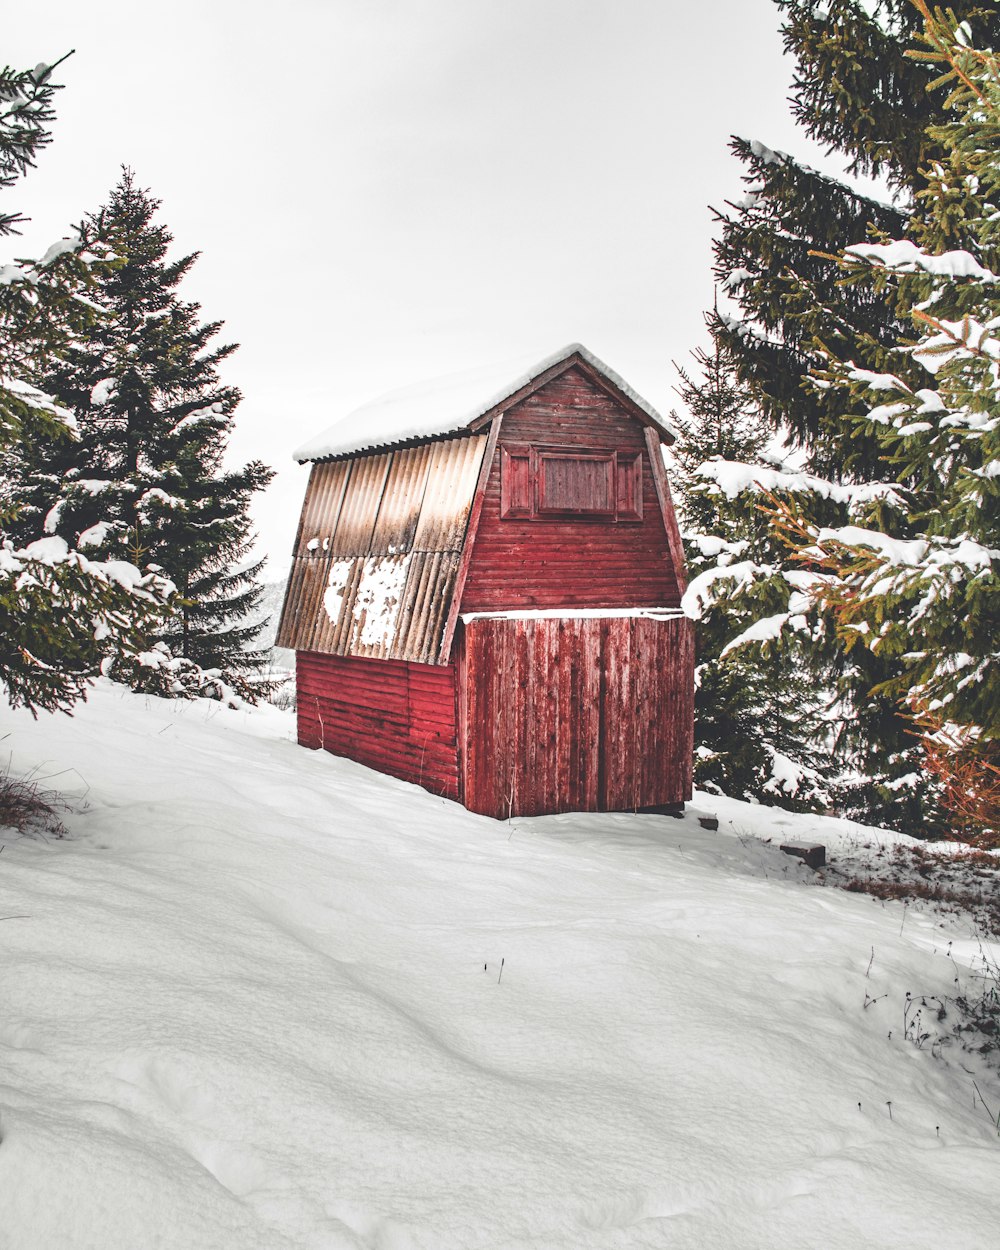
(396,541)
(463,401)
(576,512)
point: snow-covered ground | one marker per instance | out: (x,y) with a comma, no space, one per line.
(255,1000)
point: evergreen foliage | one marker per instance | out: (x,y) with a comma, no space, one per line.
(734,696)
(772,258)
(61,613)
(145,478)
(28,111)
(920,580)
(856,91)
(41,304)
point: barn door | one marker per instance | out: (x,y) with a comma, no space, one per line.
(531,722)
(564,714)
(647,712)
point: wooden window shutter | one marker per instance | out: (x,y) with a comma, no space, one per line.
(599,484)
(629,485)
(516,495)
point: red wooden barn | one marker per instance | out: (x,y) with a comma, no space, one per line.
(485,593)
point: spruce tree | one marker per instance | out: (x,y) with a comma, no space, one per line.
(857,92)
(145,478)
(755,719)
(920,581)
(61,613)
(40,300)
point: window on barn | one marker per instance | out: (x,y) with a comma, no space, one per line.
(570,484)
(560,482)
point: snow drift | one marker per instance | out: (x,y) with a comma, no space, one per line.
(263,998)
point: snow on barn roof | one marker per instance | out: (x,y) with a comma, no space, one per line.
(449,404)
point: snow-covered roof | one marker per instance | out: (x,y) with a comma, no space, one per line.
(449,404)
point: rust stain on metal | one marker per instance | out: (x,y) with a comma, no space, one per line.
(425,604)
(452,482)
(402,502)
(321,509)
(377,552)
(362,499)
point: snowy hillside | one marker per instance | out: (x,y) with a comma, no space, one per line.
(269,608)
(264,999)
(281,662)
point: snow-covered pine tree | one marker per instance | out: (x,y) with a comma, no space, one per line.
(856,92)
(920,581)
(41,309)
(60,612)
(756,721)
(145,479)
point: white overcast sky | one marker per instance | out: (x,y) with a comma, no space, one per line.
(387,190)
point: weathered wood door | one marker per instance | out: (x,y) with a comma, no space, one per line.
(575,714)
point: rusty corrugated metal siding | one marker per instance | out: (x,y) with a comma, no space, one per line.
(323,501)
(378,550)
(402,501)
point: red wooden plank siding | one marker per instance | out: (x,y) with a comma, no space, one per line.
(568,714)
(667,511)
(392,715)
(563,561)
(647,712)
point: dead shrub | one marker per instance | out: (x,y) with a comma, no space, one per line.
(29,808)
(967,768)
(958,882)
